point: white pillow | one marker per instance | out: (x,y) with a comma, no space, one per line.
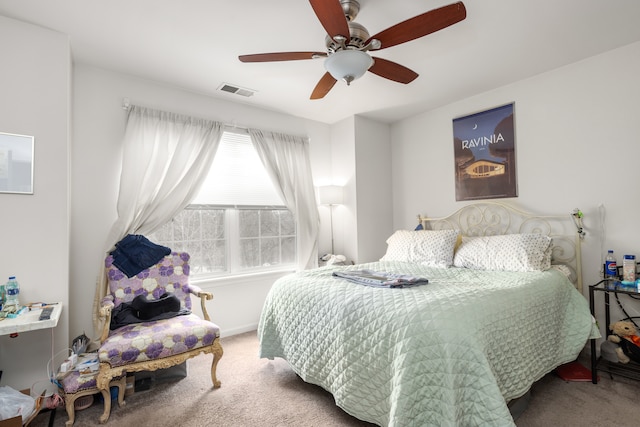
(427,247)
(511,252)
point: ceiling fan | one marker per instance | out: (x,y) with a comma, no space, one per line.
(348,43)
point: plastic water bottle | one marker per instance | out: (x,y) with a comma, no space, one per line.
(610,266)
(12,292)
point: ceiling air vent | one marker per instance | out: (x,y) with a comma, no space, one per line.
(226,87)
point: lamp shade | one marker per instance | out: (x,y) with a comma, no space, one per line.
(348,65)
(330,195)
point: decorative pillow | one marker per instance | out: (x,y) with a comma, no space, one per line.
(428,247)
(511,252)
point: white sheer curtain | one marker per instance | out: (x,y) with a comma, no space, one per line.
(286,159)
(165,159)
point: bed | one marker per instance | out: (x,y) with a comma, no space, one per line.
(501,309)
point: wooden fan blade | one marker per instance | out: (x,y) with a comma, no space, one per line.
(281,56)
(331,16)
(323,87)
(392,71)
(421,25)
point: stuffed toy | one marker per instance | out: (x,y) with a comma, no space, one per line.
(625,335)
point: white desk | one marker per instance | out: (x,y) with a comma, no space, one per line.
(29,321)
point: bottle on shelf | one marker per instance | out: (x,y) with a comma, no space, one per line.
(629,269)
(610,266)
(12,292)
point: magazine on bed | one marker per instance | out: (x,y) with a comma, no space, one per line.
(381,279)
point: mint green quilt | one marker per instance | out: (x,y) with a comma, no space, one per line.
(449,353)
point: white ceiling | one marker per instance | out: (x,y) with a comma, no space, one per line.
(194,44)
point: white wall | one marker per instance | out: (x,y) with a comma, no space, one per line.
(35,75)
(373,178)
(360,162)
(344,174)
(99,122)
(577,146)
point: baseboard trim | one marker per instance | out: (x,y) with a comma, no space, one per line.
(238,331)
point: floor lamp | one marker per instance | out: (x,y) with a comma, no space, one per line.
(330,195)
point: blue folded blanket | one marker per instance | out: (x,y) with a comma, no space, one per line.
(135,253)
(380,279)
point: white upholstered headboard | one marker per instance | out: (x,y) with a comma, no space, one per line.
(492,218)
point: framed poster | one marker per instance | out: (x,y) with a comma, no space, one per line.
(485,156)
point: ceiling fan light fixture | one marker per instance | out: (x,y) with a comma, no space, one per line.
(348,65)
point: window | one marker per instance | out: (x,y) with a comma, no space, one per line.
(237,223)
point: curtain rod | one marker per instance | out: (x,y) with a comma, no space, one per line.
(126,105)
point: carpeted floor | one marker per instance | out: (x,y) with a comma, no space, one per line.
(258,392)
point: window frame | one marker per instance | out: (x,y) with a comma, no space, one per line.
(232,237)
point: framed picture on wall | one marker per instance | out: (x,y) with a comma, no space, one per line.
(16,163)
(485,156)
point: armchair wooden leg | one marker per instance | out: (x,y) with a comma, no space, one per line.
(122,385)
(217,355)
(106,396)
(71,412)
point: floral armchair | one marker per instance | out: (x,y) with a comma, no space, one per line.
(156,344)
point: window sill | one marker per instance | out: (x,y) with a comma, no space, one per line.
(240,278)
